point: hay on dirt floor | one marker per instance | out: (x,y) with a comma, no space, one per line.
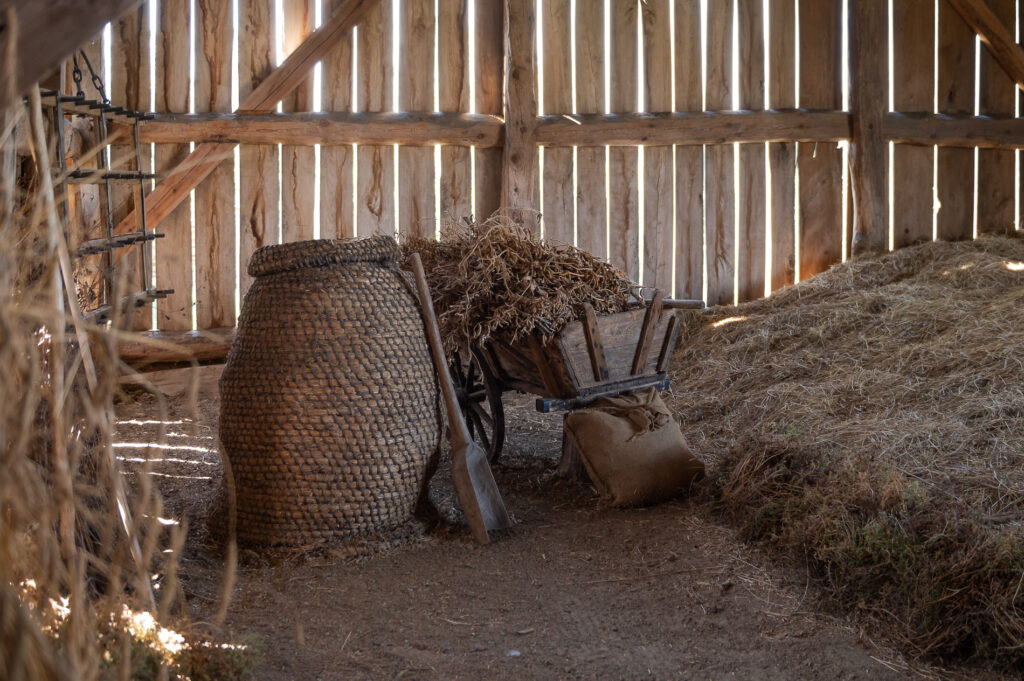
(496,277)
(871,420)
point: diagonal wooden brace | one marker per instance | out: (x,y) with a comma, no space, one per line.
(275,87)
(997,37)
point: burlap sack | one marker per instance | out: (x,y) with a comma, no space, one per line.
(633,450)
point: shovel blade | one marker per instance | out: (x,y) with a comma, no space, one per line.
(477,491)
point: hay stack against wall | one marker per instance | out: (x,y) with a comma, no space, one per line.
(328,400)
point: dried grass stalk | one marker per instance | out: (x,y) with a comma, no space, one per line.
(872,420)
(79,546)
(497,277)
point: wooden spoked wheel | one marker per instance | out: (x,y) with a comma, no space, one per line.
(480,399)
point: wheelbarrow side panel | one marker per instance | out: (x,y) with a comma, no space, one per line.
(620,334)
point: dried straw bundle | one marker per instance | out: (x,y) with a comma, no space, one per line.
(80,547)
(871,419)
(498,277)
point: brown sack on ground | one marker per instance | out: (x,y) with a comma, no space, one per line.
(633,450)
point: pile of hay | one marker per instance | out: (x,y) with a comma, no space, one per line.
(497,277)
(871,421)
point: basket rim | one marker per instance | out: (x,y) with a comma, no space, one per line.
(313,253)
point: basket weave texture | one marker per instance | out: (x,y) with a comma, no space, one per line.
(328,400)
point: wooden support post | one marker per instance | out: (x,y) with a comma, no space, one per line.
(657,199)
(275,87)
(298,163)
(375,163)
(453,95)
(490,77)
(867,150)
(337,160)
(752,218)
(416,209)
(595,348)
(643,344)
(557,210)
(591,207)
(689,180)
(215,196)
(519,164)
(257,172)
(782,155)
(623,162)
(913,31)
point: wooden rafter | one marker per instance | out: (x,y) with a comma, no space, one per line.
(277,85)
(48,32)
(997,37)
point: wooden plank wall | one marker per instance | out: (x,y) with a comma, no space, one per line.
(723,221)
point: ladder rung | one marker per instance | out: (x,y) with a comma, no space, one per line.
(99,176)
(138,299)
(94,246)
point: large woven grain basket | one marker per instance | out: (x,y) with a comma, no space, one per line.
(328,400)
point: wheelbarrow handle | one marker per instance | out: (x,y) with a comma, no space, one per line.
(682,304)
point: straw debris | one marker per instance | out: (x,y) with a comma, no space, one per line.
(871,419)
(497,277)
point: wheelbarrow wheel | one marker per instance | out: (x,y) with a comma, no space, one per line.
(480,400)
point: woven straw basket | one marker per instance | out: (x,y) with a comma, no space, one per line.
(328,400)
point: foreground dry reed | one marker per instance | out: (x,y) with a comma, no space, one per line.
(88,564)
(870,421)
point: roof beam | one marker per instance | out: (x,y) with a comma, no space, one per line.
(263,99)
(997,37)
(46,33)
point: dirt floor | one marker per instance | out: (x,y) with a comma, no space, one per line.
(576,590)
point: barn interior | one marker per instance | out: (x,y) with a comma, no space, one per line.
(786,233)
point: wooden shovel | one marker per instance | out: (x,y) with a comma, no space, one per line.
(471,475)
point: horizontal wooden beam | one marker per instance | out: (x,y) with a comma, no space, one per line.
(954,131)
(160,348)
(481,130)
(658,129)
(328,128)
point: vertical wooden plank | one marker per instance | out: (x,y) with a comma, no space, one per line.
(913,23)
(490,73)
(173,252)
(820,165)
(257,171)
(624,221)
(689,281)
(519,176)
(336,161)
(130,88)
(782,156)
(416,93)
(453,95)
(375,199)
(557,210)
(721,210)
(591,201)
(955,176)
(868,146)
(298,163)
(750,263)
(995,166)
(215,196)
(657,200)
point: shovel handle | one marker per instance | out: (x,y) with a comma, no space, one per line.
(459,430)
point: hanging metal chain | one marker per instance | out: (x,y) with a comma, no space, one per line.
(76,75)
(97,82)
